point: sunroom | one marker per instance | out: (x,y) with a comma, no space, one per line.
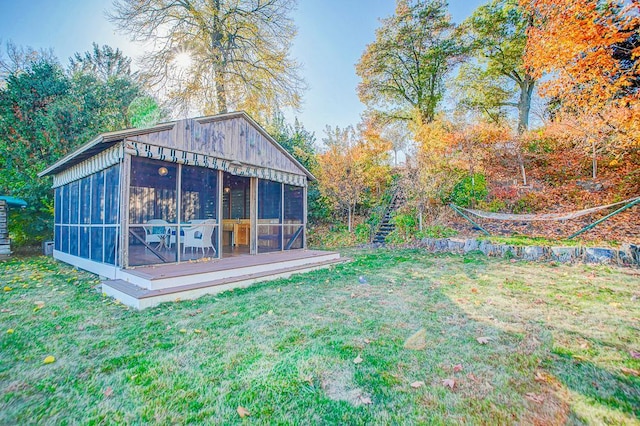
(194,191)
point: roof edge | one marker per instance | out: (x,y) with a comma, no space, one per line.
(263,132)
(103,138)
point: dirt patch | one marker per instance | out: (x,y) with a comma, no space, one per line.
(339,386)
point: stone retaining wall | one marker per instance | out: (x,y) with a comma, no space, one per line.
(628,255)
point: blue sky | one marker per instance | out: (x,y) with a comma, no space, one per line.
(332,34)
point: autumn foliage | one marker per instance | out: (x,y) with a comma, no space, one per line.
(590,50)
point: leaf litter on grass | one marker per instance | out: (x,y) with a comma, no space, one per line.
(307,349)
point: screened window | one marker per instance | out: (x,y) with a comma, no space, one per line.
(294,219)
(80,228)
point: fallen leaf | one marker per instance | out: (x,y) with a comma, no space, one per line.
(365,399)
(630,371)
(58,327)
(49,359)
(242,412)
(270,312)
(357,360)
(7,288)
(417,384)
(224,312)
(474,290)
(634,354)
(473,377)
(538,399)
(450,383)
(183,330)
(39,305)
(417,341)
(197,330)
(5,310)
(10,331)
(235,314)
(367,341)
(108,392)
(457,367)
(353,295)
(483,340)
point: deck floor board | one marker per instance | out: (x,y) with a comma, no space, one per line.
(176,270)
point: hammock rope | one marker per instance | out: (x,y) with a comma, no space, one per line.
(543,216)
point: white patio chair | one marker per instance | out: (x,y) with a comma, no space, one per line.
(155,230)
(199,236)
(182,230)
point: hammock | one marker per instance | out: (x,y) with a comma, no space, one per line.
(544,216)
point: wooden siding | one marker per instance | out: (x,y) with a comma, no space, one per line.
(235,139)
(5,248)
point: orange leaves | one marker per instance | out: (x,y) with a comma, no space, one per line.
(576,41)
(349,165)
(590,53)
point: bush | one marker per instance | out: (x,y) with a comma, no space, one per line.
(469,190)
(362,232)
(494,205)
(29,228)
(406,225)
(436,231)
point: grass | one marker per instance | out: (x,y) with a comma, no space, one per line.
(560,349)
(523,240)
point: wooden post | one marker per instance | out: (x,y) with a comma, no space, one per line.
(125,180)
(304,215)
(220,213)
(253,209)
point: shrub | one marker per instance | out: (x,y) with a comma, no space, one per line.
(494,205)
(436,231)
(362,233)
(406,225)
(469,190)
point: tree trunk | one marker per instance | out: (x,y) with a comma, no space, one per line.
(594,160)
(420,218)
(524,109)
(349,218)
(523,172)
(219,53)
(221,95)
(524,103)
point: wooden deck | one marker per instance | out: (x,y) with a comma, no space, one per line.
(177,270)
(148,286)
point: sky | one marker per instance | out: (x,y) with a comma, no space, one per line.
(332,34)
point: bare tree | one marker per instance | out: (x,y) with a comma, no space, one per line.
(216,55)
(19,58)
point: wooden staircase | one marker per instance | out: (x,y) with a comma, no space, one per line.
(386,225)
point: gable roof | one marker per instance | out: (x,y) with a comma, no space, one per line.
(107,140)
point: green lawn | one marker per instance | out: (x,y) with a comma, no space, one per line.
(562,346)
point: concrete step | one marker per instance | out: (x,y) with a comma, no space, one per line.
(141,298)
